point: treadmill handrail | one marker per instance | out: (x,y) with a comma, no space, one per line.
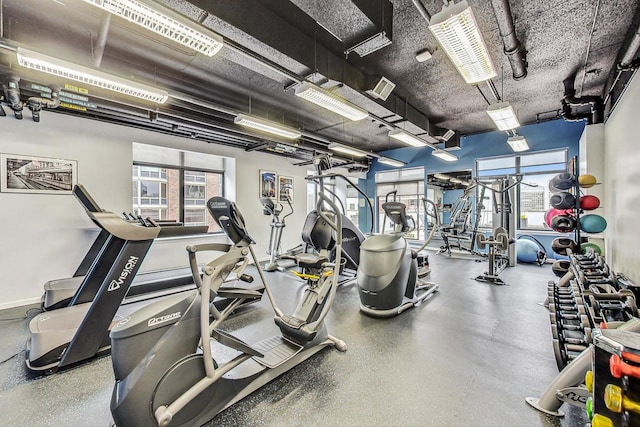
(121,228)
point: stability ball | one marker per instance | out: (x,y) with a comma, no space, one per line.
(593,223)
(586,181)
(527,250)
(562,200)
(586,246)
(563,181)
(589,203)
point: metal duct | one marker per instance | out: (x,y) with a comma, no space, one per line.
(512,47)
(271,29)
(589,108)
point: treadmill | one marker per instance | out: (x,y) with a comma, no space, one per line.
(80,331)
(61,293)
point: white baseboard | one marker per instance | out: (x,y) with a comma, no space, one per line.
(19,303)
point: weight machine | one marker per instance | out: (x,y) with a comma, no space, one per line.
(461,231)
(502,251)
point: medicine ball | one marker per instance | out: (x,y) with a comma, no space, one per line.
(563,181)
(589,203)
(593,223)
(586,181)
(561,244)
(562,200)
(560,267)
(586,246)
(563,223)
(548,216)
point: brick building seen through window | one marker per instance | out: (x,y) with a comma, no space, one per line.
(157,194)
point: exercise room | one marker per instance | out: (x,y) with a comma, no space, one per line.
(303,212)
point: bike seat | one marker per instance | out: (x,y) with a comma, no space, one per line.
(311,260)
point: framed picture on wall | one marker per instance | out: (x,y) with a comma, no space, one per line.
(268,184)
(29,174)
(285,188)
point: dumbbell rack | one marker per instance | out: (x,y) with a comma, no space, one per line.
(586,296)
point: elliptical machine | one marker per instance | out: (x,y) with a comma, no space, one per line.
(391,276)
(277,225)
(163,355)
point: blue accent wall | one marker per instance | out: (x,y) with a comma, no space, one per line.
(541,137)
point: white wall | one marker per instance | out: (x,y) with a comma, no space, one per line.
(621,178)
(44,237)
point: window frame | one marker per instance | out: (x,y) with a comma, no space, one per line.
(518,169)
(181,183)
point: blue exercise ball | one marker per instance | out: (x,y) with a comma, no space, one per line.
(593,223)
(527,250)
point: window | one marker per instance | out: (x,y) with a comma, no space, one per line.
(174,191)
(531,202)
(352,204)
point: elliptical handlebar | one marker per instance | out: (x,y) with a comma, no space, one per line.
(337,226)
(193,261)
(362,193)
(436,223)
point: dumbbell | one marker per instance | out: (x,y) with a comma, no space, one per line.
(619,367)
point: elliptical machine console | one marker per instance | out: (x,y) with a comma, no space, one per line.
(391,276)
(163,355)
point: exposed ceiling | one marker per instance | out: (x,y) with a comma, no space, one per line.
(270,45)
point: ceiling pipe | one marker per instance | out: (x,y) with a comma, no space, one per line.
(308,53)
(626,63)
(101,42)
(36,104)
(512,46)
(12,96)
(589,108)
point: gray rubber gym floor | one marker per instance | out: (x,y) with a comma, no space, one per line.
(467,357)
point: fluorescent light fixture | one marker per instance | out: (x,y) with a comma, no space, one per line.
(165,22)
(57,67)
(407,138)
(456,30)
(456,180)
(391,162)
(503,116)
(267,126)
(518,143)
(347,150)
(442,176)
(445,155)
(330,101)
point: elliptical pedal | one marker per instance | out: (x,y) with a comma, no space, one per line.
(276,350)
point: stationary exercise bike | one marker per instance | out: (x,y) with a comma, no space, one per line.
(163,355)
(276,262)
(391,276)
